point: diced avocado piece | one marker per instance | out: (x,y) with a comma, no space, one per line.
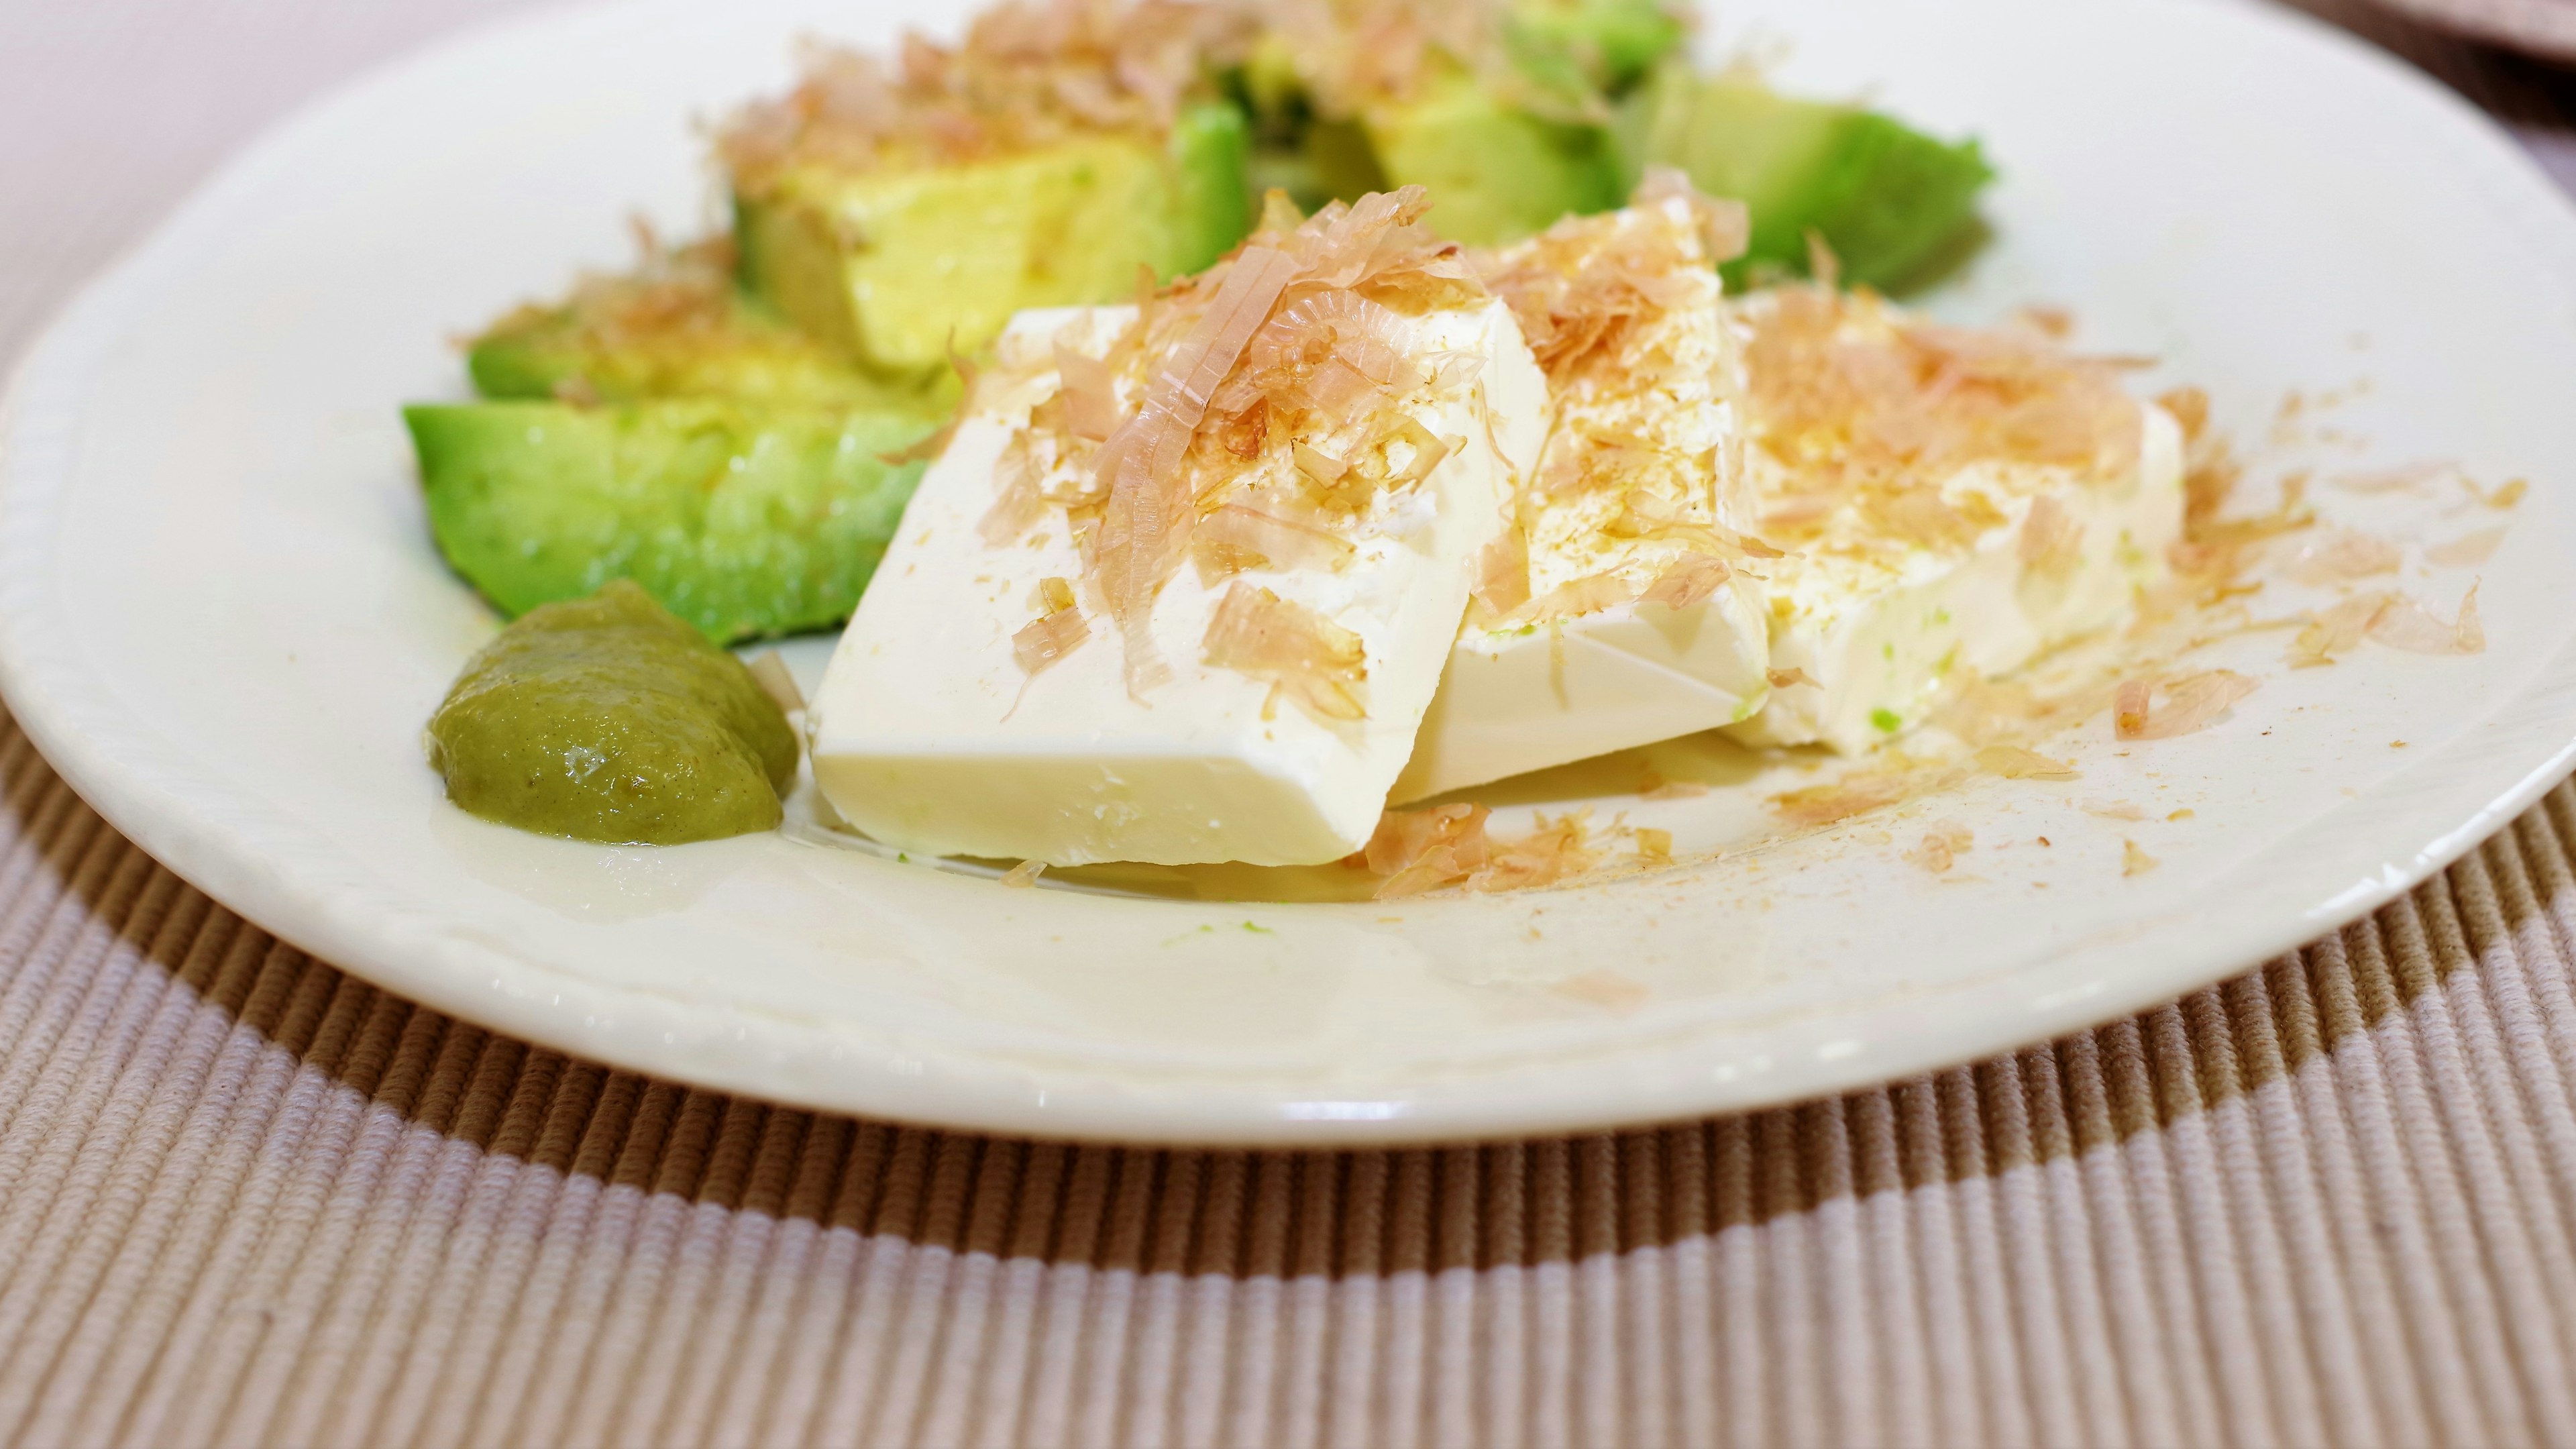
(1504,154)
(899,266)
(1496,173)
(1343,161)
(745,520)
(548,353)
(607,719)
(1613,44)
(679,327)
(1888,200)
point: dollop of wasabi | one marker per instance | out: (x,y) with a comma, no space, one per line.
(608,719)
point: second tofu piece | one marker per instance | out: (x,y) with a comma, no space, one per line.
(1182,585)
(1616,611)
(1953,501)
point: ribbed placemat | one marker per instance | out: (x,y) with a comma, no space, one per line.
(247,1199)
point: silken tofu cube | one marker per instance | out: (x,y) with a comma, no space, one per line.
(1953,502)
(1182,586)
(1618,609)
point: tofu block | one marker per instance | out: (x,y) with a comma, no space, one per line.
(932,734)
(1619,611)
(1887,598)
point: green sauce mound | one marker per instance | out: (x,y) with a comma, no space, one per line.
(608,719)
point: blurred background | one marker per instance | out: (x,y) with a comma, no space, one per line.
(110,110)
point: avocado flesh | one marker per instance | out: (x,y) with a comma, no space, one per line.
(1503,157)
(749,357)
(1613,43)
(1496,173)
(900,268)
(1889,201)
(607,719)
(743,519)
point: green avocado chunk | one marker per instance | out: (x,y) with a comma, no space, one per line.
(900,267)
(1506,142)
(742,520)
(679,327)
(550,354)
(1893,204)
(1496,172)
(1611,44)
(608,719)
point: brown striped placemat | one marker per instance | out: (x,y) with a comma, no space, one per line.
(247,1199)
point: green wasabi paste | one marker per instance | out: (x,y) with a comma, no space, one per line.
(608,719)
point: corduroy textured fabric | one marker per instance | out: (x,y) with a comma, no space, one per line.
(247,1199)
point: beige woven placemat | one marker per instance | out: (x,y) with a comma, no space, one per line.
(247,1199)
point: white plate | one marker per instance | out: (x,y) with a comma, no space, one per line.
(221,618)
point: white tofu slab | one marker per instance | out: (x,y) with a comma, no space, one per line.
(930,737)
(1879,632)
(1524,697)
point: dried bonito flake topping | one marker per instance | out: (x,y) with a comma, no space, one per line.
(1863,413)
(2390,618)
(1584,287)
(681,294)
(1941,846)
(1857,793)
(1423,850)
(1440,846)
(1027,73)
(1256,416)
(2052,541)
(1053,634)
(1241,536)
(1354,53)
(2192,702)
(1293,649)
(1634,494)
(2016,763)
(1559,849)
(2468,550)
(2344,556)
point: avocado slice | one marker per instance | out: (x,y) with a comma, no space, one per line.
(1893,204)
(898,267)
(1503,154)
(1496,172)
(551,352)
(743,519)
(679,327)
(1612,44)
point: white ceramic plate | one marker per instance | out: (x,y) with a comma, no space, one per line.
(221,617)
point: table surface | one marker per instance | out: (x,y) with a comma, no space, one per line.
(245,1198)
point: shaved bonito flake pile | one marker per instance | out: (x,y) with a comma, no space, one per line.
(1862,413)
(1026,73)
(1252,416)
(1635,493)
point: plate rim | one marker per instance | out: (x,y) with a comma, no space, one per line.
(69,712)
